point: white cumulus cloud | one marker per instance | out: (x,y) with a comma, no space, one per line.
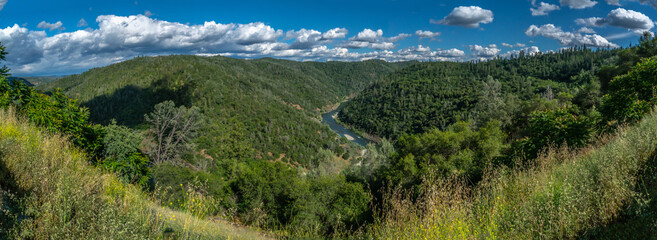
(304,38)
(568,38)
(469,17)
(335,33)
(369,38)
(484,52)
(368,35)
(543,9)
(622,18)
(426,34)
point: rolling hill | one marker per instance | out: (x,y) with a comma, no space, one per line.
(276,102)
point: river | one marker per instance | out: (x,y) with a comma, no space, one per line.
(329,119)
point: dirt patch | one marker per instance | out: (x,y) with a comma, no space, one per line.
(297,106)
(206,155)
(281,157)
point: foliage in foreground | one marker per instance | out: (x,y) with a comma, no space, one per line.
(562,195)
(632,95)
(49,191)
(115,148)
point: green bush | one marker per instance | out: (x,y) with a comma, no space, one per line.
(122,155)
(458,151)
(56,113)
(554,128)
(632,95)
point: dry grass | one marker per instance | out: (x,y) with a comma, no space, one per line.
(563,195)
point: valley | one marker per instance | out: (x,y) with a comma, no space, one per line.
(544,146)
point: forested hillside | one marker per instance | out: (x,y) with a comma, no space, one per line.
(272,104)
(427,95)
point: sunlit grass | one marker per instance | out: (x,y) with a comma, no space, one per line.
(563,194)
(61,196)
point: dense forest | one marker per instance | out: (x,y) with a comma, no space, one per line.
(425,95)
(552,145)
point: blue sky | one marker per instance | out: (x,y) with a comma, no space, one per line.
(50,38)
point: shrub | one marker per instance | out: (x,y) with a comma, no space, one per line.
(56,113)
(122,155)
(458,151)
(632,95)
(562,195)
(555,127)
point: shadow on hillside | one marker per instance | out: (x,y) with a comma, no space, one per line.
(11,212)
(639,220)
(129,104)
(25,81)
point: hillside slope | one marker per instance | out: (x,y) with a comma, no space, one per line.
(48,190)
(565,194)
(276,102)
(437,94)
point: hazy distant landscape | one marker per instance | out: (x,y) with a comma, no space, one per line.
(218,121)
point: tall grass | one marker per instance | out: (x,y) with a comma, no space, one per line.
(49,191)
(563,195)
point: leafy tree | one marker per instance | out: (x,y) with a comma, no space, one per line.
(458,151)
(122,155)
(172,130)
(4,71)
(375,157)
(589,95)
(555,127)
(632,95)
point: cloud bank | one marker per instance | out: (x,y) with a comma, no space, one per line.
(119,38)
